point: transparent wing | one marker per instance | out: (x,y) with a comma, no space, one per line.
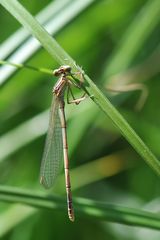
(53,151)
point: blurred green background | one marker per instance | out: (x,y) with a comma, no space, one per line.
(117,44)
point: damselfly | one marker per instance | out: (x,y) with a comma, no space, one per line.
(56,141)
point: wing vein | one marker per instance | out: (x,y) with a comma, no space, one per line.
(52,156)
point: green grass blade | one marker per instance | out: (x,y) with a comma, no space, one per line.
(58,15)
(42,70)
(25,18)
(8,222)
(124,127)
(134,38)
(21,35)
(85,207)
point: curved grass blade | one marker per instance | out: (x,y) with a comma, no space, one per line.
(53,151)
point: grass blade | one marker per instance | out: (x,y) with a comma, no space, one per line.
(85,207)
(134,37)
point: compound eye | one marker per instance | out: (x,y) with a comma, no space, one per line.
(66,68)
(56,72)
(62,70)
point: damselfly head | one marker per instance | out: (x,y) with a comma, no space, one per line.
(62,70)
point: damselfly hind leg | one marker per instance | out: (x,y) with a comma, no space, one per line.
(74,100)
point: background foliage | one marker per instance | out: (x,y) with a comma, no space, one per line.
(117,43)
